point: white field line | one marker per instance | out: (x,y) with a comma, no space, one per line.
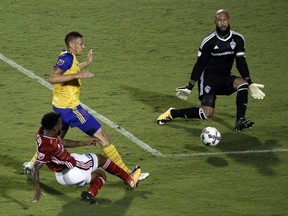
(126,133)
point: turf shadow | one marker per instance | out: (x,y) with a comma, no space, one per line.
(239,146)
(158,101)
(245,147)
(105,206)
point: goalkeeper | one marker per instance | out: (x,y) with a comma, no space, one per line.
(212,72)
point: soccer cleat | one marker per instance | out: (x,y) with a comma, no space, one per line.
(135,174)
(142,176)
(88,198)
(165,117)
(243,123)
(28,168)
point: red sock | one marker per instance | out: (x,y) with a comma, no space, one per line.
(113,169)
(96,185)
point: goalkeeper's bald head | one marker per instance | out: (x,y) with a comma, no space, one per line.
(220,12)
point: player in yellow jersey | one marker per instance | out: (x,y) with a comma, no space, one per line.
(66,79)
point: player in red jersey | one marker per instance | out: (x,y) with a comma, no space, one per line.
(66,78)
(73,169)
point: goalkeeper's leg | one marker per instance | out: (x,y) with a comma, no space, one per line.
(241,100)
(204,112)
(241,103)
(193,112)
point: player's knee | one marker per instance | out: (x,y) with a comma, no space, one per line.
(101,160)
(207,106)
(101,173)
(207,112)
(238,82)
(208,101)
(102,137)
(243,86)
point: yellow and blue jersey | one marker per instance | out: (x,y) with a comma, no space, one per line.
(66,98)
(67,95)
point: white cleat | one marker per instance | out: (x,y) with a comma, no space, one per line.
(143,176)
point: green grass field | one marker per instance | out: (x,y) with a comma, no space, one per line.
(143,50)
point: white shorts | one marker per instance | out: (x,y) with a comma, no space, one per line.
(77,176)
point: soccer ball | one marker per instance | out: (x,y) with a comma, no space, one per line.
(210,136)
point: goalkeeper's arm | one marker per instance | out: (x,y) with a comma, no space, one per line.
(184,91)
(36,181)
(254,88)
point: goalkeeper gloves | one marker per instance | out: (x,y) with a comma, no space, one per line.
(183,92)
(254,90)
(28,167)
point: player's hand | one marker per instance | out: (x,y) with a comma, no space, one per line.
(91,142)
(94,141)
(183,92)
(254,90)
(83,74)
(28,167)
(89,58)
(38,194)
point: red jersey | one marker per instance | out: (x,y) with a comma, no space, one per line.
(52,152)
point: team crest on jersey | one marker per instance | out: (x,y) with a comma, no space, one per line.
(207,89)
(60,62)
(232,44)
(41,156)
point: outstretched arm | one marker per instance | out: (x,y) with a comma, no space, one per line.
(73,144)
(242,67)
(183,92)
(58,77)
(36,181)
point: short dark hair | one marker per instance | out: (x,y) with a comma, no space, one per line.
(71,36)
(50,120)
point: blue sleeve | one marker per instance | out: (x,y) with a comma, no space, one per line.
(64,62)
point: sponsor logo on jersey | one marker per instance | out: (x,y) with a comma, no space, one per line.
(41,156)
(60,62)
(223,53)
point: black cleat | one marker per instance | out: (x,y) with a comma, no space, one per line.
(243,123)
(88,198)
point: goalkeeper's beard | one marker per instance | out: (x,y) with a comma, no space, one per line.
(223,34)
